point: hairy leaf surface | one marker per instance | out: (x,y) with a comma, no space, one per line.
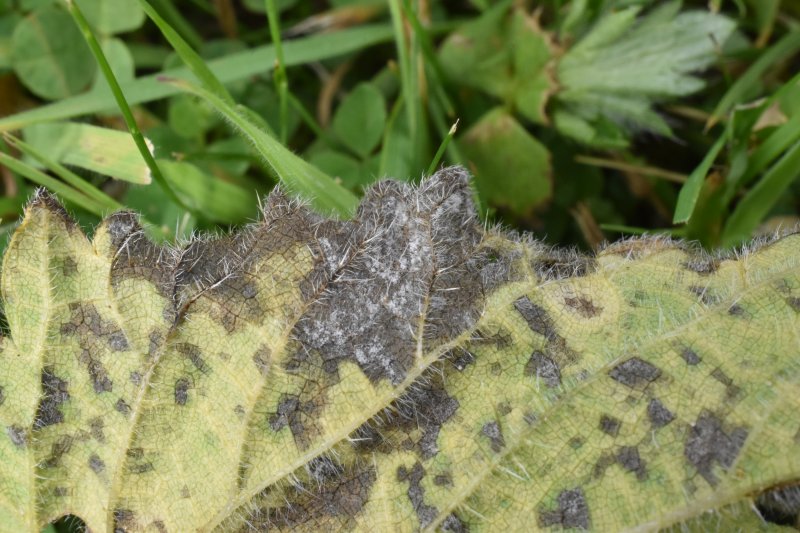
(405,370)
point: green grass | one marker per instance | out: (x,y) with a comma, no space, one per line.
(659,118)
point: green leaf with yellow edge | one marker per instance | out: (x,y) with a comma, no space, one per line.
(103,150)
(404,370)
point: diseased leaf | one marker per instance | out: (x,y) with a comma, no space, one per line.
(404,370)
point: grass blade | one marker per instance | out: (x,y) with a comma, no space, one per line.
(762,197)
(675,177)
(786,47)
(442,148)
(100,57)
(187,54)
(233,67)
(176,20)
(778,141)
(280,77)
(632,230)
(297,175)
(64,191)
(690,191)
(407,56)
(64,173)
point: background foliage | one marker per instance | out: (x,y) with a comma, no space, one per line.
(581,120)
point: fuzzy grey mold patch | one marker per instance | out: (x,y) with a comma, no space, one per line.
(156,341)
(500,266)
(182,386)
(95,335)
(572,511)
(18,435)
(287,406)
(443,480)
(331,505)
(96,464)
(96,429)
(122,407)
(124,520)
(428,407)
(494,433)
(709,443)
(583,306)
(54,394)
(794,303)
(194,355)
(628,457)
(556,354)
(634,372)
(658,413)
(324,469)
(416,493)
(690,356)
(737,311)
(141,468)
(261,358)
(424,408)
(137,463)
(732,391)
(58,449)
(555,264)
(299,415)
(460,358)
(704,294)
(703,265)
(136,257)
(410,253)
(454,524)
(536,317)
(544,368)
(69,266)
(42,199)
(610,425)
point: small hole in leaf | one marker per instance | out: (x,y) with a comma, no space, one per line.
(66,524)
(780,506)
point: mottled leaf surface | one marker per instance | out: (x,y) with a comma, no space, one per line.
(404,370)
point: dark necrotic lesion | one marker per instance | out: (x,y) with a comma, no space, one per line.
(54,393)
(781,505)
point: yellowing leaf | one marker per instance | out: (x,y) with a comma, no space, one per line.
(404,370)
(103,150)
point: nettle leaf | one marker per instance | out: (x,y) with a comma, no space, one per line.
(407,369)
